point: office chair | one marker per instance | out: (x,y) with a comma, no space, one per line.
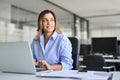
(75,51)
(96,63)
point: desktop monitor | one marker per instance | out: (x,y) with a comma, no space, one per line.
(85,49)
(104,45)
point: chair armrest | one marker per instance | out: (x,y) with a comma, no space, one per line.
(109,67)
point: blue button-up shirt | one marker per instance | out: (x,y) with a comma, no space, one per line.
(57,50)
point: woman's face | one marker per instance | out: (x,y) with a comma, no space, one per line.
(48,23)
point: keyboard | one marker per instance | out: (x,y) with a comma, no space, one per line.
(38,69)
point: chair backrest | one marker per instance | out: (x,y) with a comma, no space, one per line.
(75,51)
(94,62)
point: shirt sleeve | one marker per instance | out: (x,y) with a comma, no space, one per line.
(65,54)
(33,50)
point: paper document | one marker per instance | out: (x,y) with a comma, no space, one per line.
(90,75)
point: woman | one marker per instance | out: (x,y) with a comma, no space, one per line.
(51,49)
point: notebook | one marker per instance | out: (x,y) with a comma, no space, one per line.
(16,57)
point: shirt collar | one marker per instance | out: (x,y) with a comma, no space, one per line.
(54,35)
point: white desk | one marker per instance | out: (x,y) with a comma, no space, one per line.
(116,75)
(112,60)
(13,76)
(106,60)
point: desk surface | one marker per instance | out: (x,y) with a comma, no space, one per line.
(116,75)
(106,60)
(13,76)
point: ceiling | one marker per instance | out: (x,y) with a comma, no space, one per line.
(98,12)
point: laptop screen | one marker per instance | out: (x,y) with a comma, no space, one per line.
(16,57)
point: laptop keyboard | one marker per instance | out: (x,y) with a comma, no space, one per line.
(38,69)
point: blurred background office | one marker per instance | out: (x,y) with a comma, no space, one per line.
(18,19)
(77,18)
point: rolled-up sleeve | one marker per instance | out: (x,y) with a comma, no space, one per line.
(65,53)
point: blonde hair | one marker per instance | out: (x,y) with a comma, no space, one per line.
(40,27)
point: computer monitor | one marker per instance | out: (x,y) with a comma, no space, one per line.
(85,49)
(104,45)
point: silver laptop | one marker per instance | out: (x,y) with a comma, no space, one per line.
(16,57)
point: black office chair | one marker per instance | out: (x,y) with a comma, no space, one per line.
(96,63)
(75,51)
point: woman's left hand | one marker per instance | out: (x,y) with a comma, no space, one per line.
(44,64)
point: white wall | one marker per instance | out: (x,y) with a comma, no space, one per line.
(5,10)
(105,31)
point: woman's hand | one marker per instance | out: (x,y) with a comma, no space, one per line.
(36,62)
(44,64)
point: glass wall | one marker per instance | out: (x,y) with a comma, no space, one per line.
(81,29)
(18,22)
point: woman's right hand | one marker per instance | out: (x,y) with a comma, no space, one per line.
(36,62)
